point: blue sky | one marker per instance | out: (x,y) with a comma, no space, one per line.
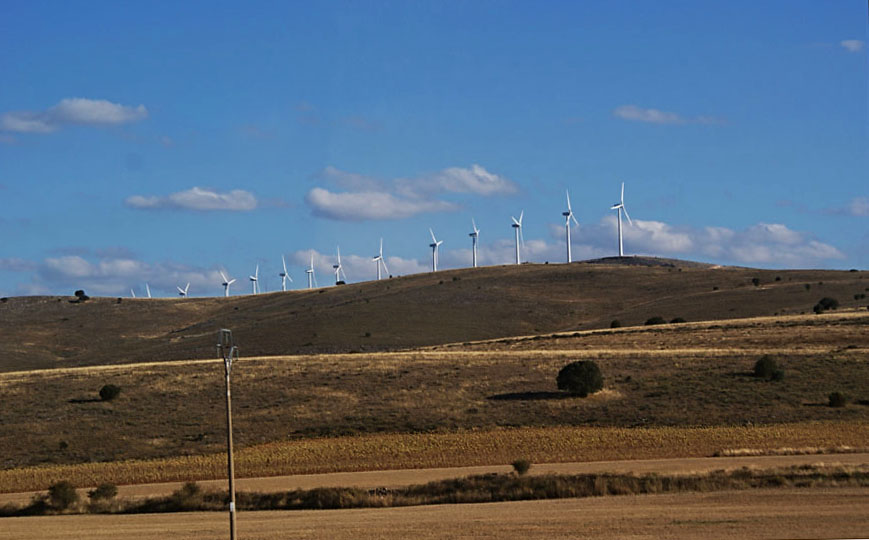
(161,142)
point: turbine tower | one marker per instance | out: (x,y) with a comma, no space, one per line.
(226,283)
(339,269)
(284,275)
(380,261)
(620,206)
(434,250)
(312,280)
(474,236)
(254,280)
(567,217)
(517,225)
(183,292)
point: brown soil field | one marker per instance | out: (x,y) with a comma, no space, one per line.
(678,375)
(459,305)
(406,477)
(778,513)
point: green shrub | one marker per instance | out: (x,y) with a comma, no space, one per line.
(62,495)
(580,378)
(755,281)
(825,304)
(103,492)
(109,392)
(616,324)
(521,466)
(655,320)
(765,367)
(838,399)
(678,320)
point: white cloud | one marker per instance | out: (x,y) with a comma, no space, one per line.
(655,116)
(15,264)
(369,198)
(853,45)
(359,206)
(859,206)
(196,198)
(72,111)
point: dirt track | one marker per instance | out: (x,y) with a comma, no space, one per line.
(781,513)
(373,479)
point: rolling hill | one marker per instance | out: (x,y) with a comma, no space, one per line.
(407,312)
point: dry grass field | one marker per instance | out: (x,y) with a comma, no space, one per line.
(408,312)
(778,513)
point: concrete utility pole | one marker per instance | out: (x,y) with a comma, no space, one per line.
(228,351)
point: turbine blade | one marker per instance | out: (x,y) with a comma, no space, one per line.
(622,199)
(574,219)
(381,247)
(476,230)
(284,261)
(230,282)
(627,215)
(522,213)
(568,201)
(222,275)
(180,290)
(384,266)
(433,239)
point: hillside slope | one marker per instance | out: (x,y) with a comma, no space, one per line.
(426,309)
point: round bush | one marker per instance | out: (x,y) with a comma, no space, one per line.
(521,466)
(62,495)
(678,320)
(838,399)
(109,392)
(616,324)
(580,378)
(765,368)
(103,491)
(655,320)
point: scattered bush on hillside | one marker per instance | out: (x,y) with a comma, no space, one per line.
(808,286)
(616,324)
(580,378)
(838,399)
(103,492)
(765,367)
(80,297)
(187,497)
(109,392)
(678,320)
(62,495)
(655,320)
(825,303)
(521,466)
(859,296)
(755,281)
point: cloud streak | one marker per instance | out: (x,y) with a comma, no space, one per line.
(198,199)
(853,45)
(72,111)
(634,113)
(367,198)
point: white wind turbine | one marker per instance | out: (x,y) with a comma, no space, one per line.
(226,283)
(339,270)
(517,225)
(312,280)
(567,217)
(183,292)
(132,293)
(284,275)
(474,236)
(620,206)
(148,290)
(254,280)
(381,262)
(434,250)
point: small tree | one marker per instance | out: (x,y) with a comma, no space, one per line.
(62,495)
(109,392)
(82,297)
(838,399)
(765,367)
(580,378)
(616,324)
(521,466)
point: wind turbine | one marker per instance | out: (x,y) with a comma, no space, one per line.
(312,280)
(517,225)
(474,236)
(620,206)
(434,250)
(226,283)
(381,262)
(183,292)
(132,293)
(148,290)
(254,280)
(339,269)
(284,275)
(567,217)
